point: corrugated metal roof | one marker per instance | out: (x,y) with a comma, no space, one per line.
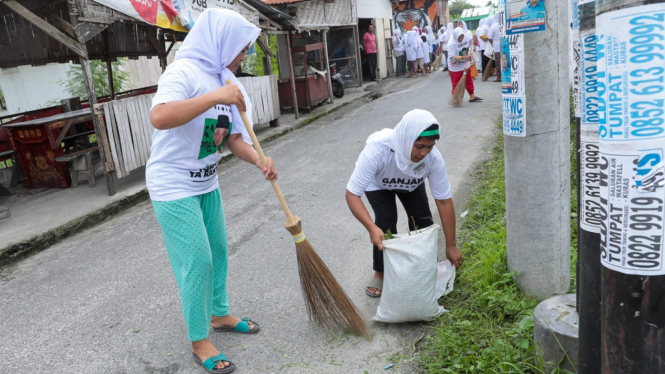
(476,12)
(277,2)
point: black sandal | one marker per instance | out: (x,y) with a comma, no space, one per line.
(476,99)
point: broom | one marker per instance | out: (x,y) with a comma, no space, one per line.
(437,62)
(458,95)
(488,68)
(326,301)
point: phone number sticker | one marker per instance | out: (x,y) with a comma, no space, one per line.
(631,227)
(631,73)
(591,210)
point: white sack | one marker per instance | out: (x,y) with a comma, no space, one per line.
(409,282)
(445,278)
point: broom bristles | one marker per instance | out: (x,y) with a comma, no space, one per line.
(458,95)
(326,301)
(486,72)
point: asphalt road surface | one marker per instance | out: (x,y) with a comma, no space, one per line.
(105,301)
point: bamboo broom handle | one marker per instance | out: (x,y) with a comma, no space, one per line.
(262,156)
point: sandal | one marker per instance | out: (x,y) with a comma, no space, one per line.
(242,327)
(211,362)
(476,99)
(374,283)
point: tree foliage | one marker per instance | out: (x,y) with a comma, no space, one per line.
(457,7)
(75,83)
(253,63)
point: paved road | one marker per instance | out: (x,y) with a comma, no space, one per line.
(105,301)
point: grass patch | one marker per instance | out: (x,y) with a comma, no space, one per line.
(489,328)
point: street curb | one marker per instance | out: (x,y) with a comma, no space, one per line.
(15,252)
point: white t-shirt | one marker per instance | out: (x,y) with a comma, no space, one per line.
(419,48)
(495,35)
(482,32)
(183,160)
(444,40)
(376,169)
(458,49)
(426,47)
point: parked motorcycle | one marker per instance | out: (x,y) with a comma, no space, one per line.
(337,82)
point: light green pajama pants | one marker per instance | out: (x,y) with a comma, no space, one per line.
(194,231)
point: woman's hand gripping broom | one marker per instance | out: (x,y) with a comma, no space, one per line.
(326,301)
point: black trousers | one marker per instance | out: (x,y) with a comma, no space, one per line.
(400,69)
(385,212)
(371,60)
(485,61)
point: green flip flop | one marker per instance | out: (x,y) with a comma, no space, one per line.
(241,328)
(211,362)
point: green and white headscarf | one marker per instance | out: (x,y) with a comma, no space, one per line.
(401,139)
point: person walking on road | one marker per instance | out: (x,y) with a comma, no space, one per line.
(369,46)
(399,53)
(495,38)
(459,49)
(194,113)
(395,164)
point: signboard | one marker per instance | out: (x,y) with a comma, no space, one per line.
(525,16)
(631,127)
(512,84)
(178,15)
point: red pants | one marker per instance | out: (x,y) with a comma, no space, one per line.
(456,76)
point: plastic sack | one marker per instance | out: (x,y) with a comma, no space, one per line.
(445,278)
(489,51)
(409,282)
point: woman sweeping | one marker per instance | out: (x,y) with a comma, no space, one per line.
(458,61)
(395,163)
(194,113)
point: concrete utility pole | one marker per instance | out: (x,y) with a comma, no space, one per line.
(538,165)
(589,208)
(631,99)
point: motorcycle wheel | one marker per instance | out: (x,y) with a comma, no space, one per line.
(338,90)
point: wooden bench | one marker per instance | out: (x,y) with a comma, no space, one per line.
(81,165)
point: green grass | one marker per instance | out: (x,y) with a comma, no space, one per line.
(489,328)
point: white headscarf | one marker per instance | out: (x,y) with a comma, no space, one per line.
(467,32)
(489,22)
(453,38)
(415,29)
(411,38)
(401,139)
(397,41)
(216,39)
(431,39)
(442,31)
